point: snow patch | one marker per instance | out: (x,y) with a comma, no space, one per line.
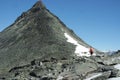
(118,57)
(70,39)
(60,77)
(117,78)
(117,66)
(80,50)
(97,75)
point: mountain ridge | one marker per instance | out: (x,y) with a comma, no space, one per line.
(37,33)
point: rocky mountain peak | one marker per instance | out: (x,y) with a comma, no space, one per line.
(37,34)
(38,6)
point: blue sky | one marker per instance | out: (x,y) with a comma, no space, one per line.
(97,22)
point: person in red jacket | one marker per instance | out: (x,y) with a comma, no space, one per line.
(91,51)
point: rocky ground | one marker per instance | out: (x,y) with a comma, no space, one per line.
(100,67)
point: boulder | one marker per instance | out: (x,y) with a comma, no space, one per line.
(104,76)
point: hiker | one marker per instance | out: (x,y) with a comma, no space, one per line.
(91,51)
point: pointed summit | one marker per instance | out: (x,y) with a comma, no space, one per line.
(38,5)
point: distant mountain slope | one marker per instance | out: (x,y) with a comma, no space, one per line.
(37,33)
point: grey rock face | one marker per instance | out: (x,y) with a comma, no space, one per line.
(37,33)
(104,76)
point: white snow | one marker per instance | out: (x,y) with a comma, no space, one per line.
(117,66)
(60,77)
(80,50)
(97,75)
(118,57)
(117,78)
(70,39)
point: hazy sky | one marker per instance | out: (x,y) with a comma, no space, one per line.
(95,21)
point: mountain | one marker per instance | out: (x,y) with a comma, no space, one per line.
(35,34)
(39,46)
